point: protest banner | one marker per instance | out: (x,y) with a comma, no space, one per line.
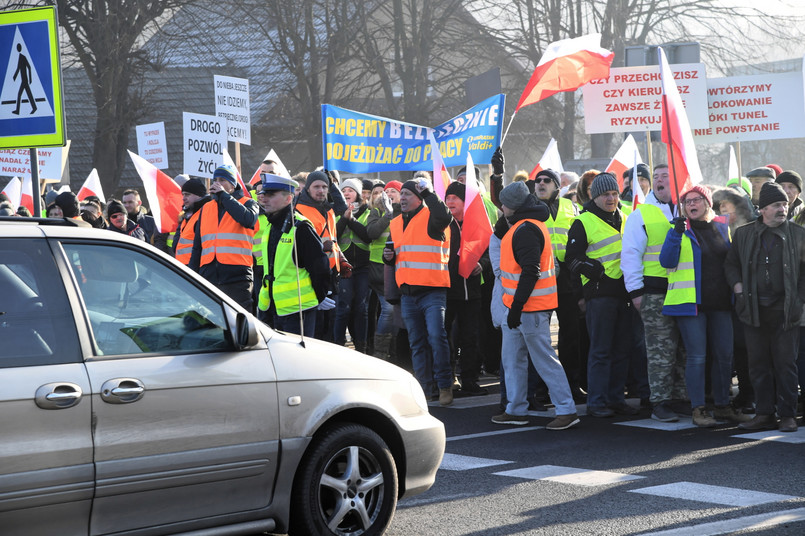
(17,163)
(354,142)
(204,143)
(629,100)
(151,144)
(748,108)
(232,105)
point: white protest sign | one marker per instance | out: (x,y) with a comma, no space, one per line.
(204,143)
(17,162)
(748,108)
(630,99)
(151,144)
(232,105)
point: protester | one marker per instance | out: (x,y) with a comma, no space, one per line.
(119,221)
(792,184)
(420,254)
(136,212)
(529,292)
(92,213)
(222,237)
(764,267)
(758,177)
(694,252)
(194,196)
(71,210)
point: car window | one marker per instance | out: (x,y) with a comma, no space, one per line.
(138,305)
(36,322)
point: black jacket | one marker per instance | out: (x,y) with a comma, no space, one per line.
(460,288)
(527,245)
(356,256)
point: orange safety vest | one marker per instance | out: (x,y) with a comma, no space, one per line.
(225,241)
(186,233)
(420,260)
(326,230)
(543,297)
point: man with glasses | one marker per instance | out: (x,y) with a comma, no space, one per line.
(222,241)
(647,284)
(120,223)
(594,253)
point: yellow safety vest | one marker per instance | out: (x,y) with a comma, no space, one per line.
(682,279)
(603,244)
(559,226)
(378,244)
(348,237)
(257,240)
(657,227)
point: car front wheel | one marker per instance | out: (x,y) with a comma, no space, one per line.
(346,484)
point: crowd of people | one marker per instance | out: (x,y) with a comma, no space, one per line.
(666,301)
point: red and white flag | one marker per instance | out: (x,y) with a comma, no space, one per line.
(163,194)
(550,160)
(637,192)
(476,227)
(27,195)
(441,178)
(92,186)
(683,164)
(732,168)
(14,192)
(627,157)
(567,65)
(282,171)
(228,161)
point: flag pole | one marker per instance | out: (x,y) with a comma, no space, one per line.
(507,128)
(738,158)
(670,142)
(649,154)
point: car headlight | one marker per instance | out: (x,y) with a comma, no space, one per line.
(418,394)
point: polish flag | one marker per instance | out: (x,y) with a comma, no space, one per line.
(163,194)
(14,192)
(732,169)
(92,186)
(27,195)
(441,178)
(627,157)
(228,160)
(567,65)
(637,192)
(282,171)
(550,160)
(476,227)
(683,164)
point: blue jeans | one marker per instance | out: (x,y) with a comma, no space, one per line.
(353,296)
(423,315)
(290,323)
(610,328)
(533,338)
(708,331)
(385,322)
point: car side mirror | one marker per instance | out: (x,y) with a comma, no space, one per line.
(242,329)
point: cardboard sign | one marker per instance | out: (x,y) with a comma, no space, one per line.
(232,105)
(630,100)
(204,143)
(151,144)
(17,163)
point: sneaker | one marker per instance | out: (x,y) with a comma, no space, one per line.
(663,413)
(760,422)
(702,419)
(622,408)
(563,422)
(505,418)
(788,424)
(445,396)
(728,413)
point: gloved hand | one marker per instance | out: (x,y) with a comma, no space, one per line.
(387,206)
(327,246)
(346,268)
(497,161)
(679,225)
(326,304)
(596,270)
(424,186)
(513,319)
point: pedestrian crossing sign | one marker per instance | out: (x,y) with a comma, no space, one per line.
(31,111)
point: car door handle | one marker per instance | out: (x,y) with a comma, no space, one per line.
(58,395)
(122,390)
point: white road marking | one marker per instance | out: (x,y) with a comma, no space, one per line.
(755,522)
(569,475)
(681,424)
(457,462)
(510,430)
(774,435)
(713,494)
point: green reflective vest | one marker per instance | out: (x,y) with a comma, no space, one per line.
(603,244)
(682,279)
(290,285)
(377,245)
(348,237)
(626,207)
(558,227)
(657,227)
(257,240)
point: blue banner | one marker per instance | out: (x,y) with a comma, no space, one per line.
(354,142)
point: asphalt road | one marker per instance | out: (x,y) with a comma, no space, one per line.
(624,475)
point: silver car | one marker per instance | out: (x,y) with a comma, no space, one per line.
(138,399)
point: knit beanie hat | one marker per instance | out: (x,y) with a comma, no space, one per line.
(457,189)
(317,176)
(603,182)
(355,184)
(411,186)
(790,176)
(771,192)
(642,171)
(194,186)
(226,172)
(396,185)
(741,182)
(514,195)
(777,169)
(368,184)
(548,174)
(704,191)
(68,202)
(762,172)
(114,207)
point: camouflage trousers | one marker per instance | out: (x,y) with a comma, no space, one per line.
(665,353)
